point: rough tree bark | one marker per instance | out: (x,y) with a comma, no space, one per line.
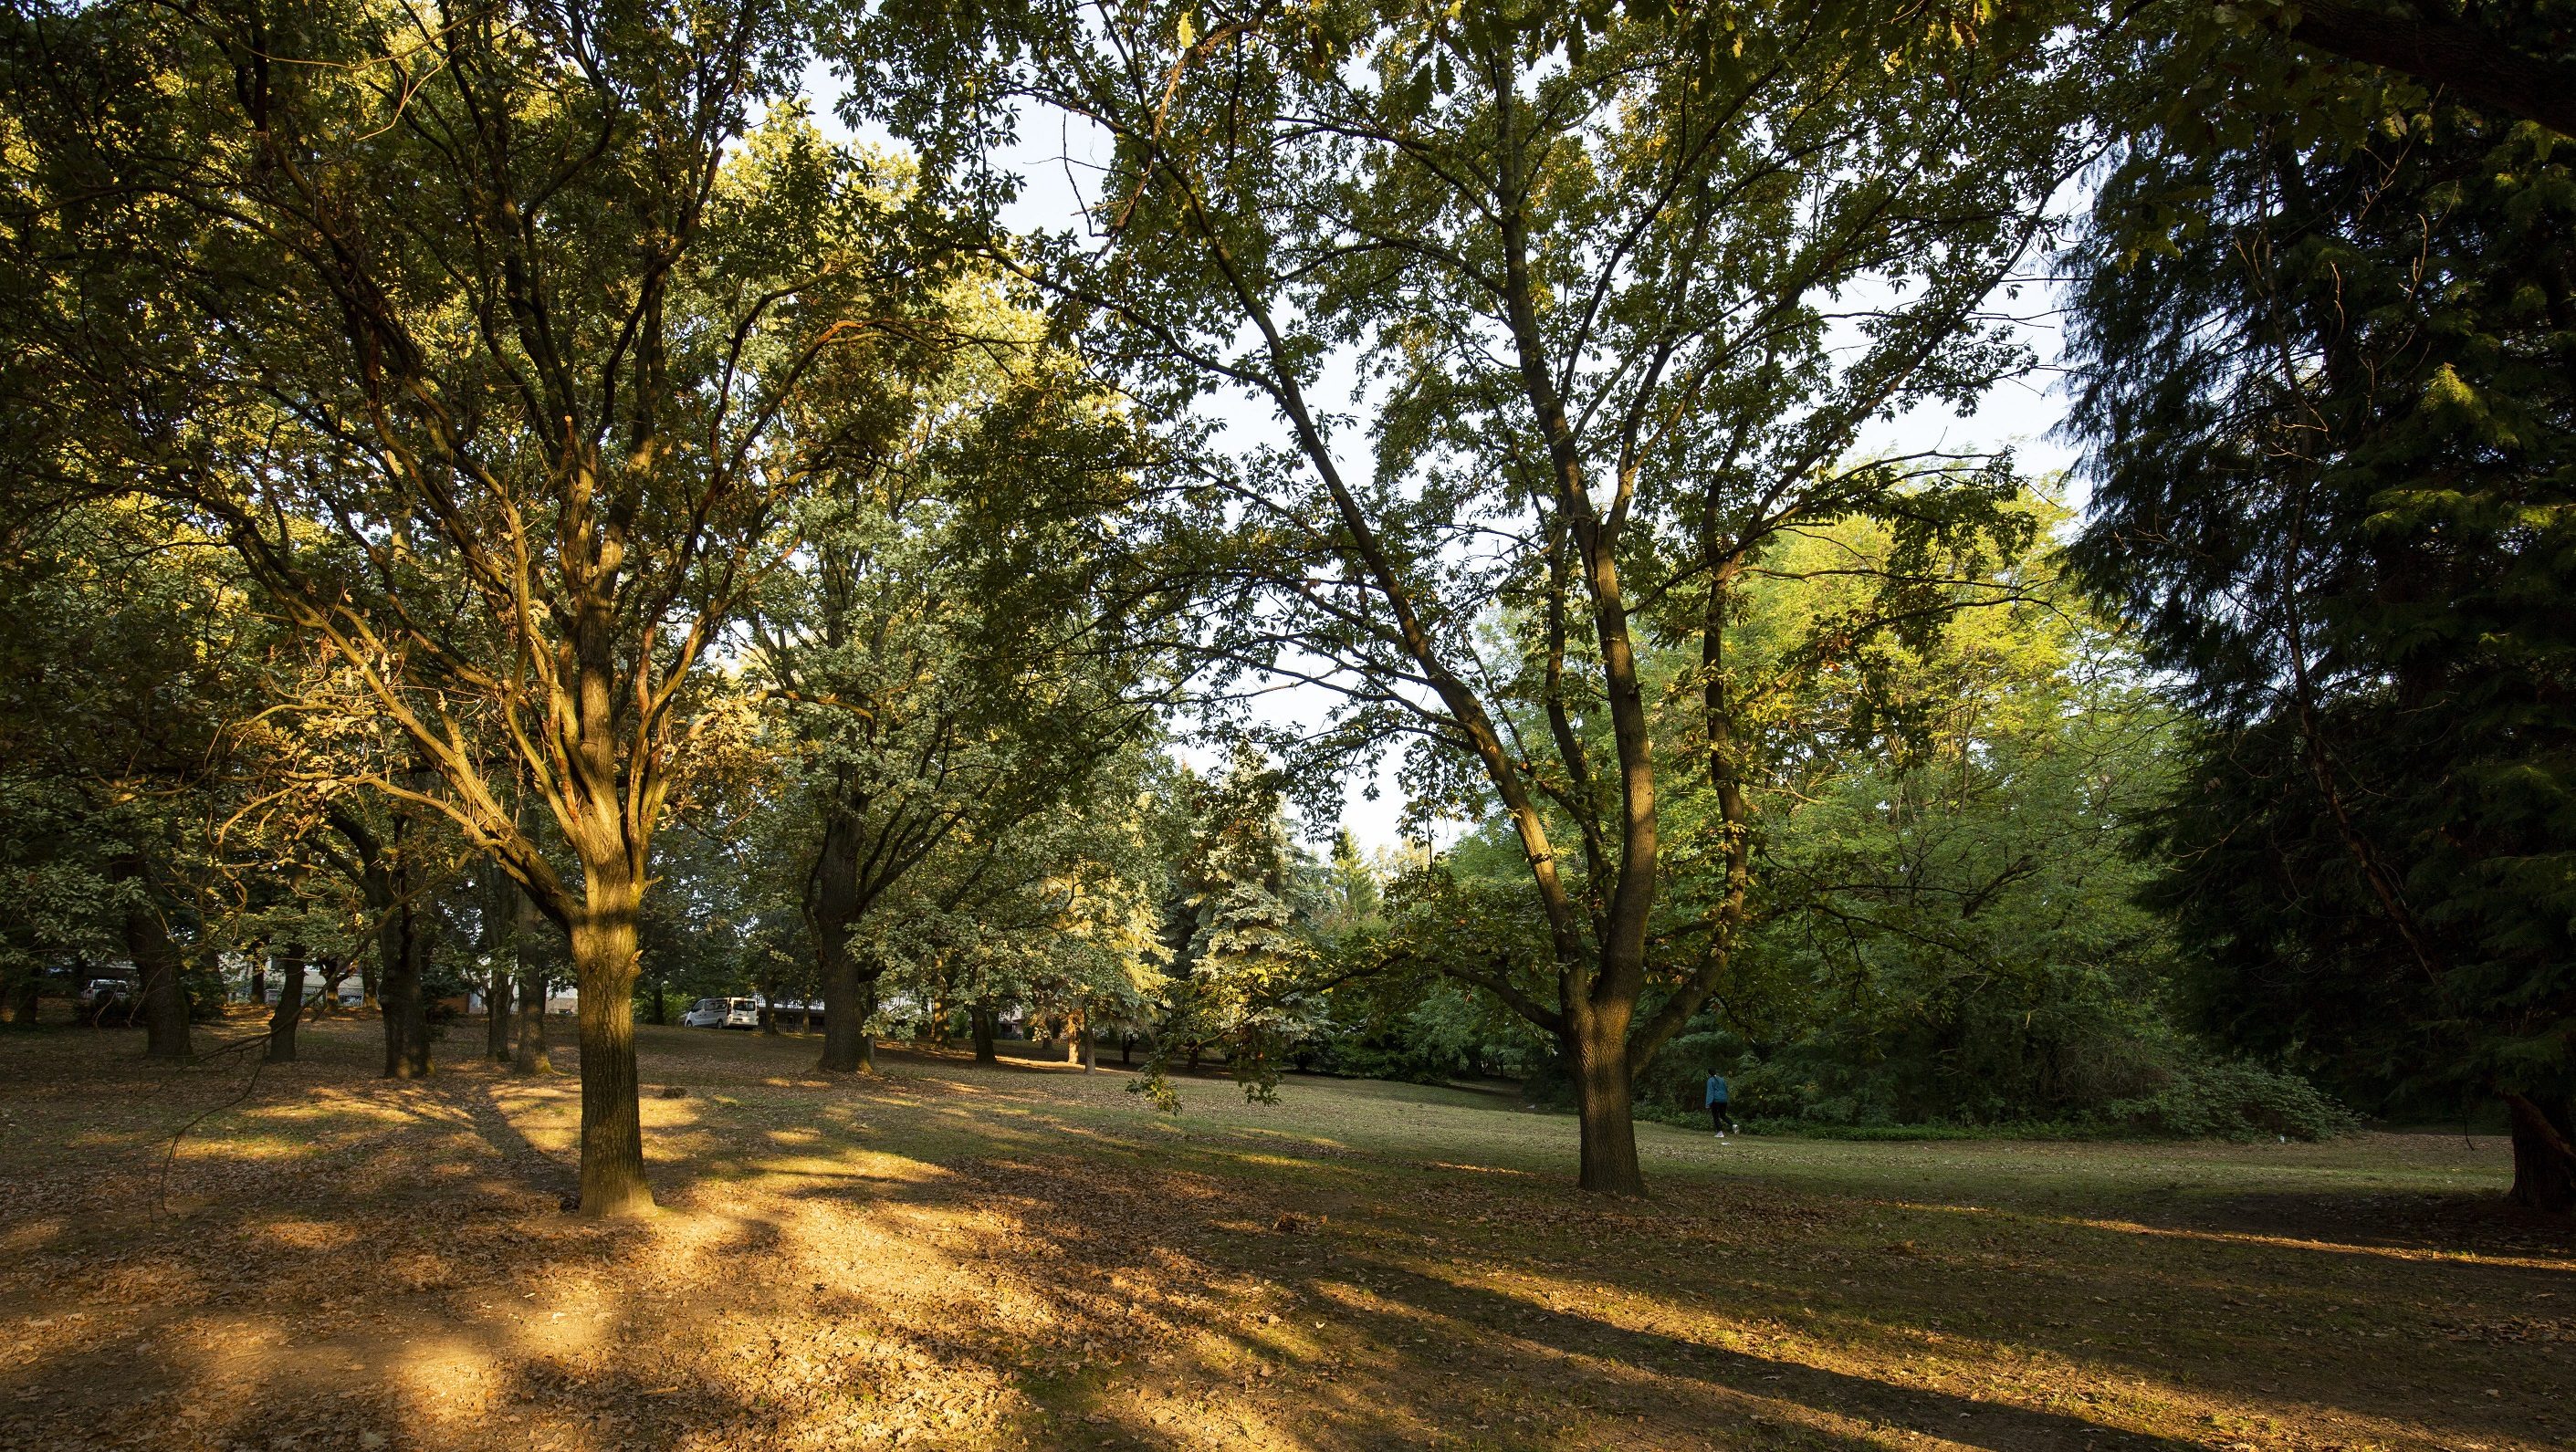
(157,964)
(496,1011)
(290,1006)
(387,878)
(980,1018)
(529,1054)
(605,964)
(834,901)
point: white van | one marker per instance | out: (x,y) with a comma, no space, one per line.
(741,1013)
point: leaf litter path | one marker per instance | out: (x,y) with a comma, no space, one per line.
(1028,1257)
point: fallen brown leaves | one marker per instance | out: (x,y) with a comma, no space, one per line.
(948,1256)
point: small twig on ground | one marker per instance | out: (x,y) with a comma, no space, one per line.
(161,1195)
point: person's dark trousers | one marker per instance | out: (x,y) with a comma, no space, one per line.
(1718,1119)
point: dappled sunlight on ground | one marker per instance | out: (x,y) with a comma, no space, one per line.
(1025,1256)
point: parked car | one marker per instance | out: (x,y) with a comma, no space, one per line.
(102,996)
(741,1013)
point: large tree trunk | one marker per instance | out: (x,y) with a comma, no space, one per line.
(980,1018)
(1082,1038)
(165,993)
(406,1012)
(833,906)
(387,878)
(1596,1046)
(605,965)
(290,1006)
(2544,1154)
(528,1055)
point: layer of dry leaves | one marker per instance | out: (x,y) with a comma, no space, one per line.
(1027,1257)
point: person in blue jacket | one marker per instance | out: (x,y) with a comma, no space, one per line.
(1717,1115)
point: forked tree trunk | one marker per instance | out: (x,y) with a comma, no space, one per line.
(290,1006)
(2544,1155)
(980,1018)
(388,880)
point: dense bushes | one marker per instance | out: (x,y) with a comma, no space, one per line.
(1819,1090)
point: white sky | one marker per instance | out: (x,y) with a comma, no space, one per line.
(1057,178)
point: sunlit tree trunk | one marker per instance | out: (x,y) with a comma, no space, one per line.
(604,969)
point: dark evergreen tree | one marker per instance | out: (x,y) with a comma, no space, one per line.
(2328,329)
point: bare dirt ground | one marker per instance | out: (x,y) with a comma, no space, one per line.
(1028,1257)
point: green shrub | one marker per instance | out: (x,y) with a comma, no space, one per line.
(2231,1099)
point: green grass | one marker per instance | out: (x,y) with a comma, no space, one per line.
(1026,1256)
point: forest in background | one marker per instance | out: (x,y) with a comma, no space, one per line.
(498,498)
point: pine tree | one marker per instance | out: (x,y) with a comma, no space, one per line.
(2329,325)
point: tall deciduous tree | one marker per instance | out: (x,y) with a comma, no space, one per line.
(1626,291)
(472,329)
(944,652)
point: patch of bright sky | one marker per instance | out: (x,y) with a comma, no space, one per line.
(1059,167)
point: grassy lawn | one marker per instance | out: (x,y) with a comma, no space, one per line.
(1029,1257)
